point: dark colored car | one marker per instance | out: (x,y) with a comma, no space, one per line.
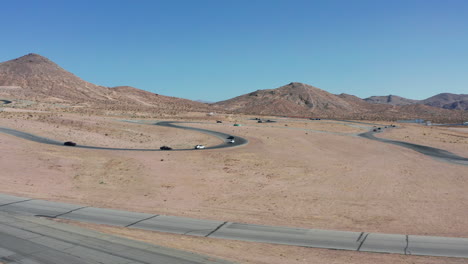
(218,121)
(230,137)
(165,148)
(259,121)
(69,143)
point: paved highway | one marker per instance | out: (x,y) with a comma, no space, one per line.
(33,240)
(239,141)
(357,241)
(436,153)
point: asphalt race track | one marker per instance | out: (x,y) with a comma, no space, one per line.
(330,239)
(33,240)
(239,141)
(436,153)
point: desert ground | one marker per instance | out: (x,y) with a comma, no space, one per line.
(294,172)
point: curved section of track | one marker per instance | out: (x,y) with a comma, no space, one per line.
(6,101)
(239,141)
(429,151)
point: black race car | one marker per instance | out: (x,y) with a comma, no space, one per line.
(69,143)
(165,148)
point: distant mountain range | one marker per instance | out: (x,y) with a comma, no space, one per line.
(443,100)
(298,99)
(34,77)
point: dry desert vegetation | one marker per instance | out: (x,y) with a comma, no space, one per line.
(294,172)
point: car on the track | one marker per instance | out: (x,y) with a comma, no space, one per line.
(375,130)
(230,137)
(219,121)
(69,143)
(231,141)
(199,147)
(260,121)
(165,148)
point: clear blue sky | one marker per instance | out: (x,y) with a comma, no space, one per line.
(218,49)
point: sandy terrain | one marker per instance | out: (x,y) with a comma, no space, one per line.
(286,176)
(304,124)
(264,253)
(101,131)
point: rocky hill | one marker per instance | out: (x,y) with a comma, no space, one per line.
(443,100)
(36,78)
(292,99)
(390,99)
(448,101)
(298,99)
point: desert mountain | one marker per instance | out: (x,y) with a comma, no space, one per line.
(448,101)
(390,99)
(135,96)
(443,100)
(298,99)
(34,77)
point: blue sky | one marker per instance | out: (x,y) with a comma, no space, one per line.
(217,49)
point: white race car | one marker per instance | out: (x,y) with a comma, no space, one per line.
(199,147)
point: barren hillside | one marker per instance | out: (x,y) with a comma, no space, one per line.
(292,99)
(448,101)
(390,99)
(443,100)
(36,78)
(298,99)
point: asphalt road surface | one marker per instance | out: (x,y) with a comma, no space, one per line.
(356,241)
(33,240)
(436,153)
(239,141)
